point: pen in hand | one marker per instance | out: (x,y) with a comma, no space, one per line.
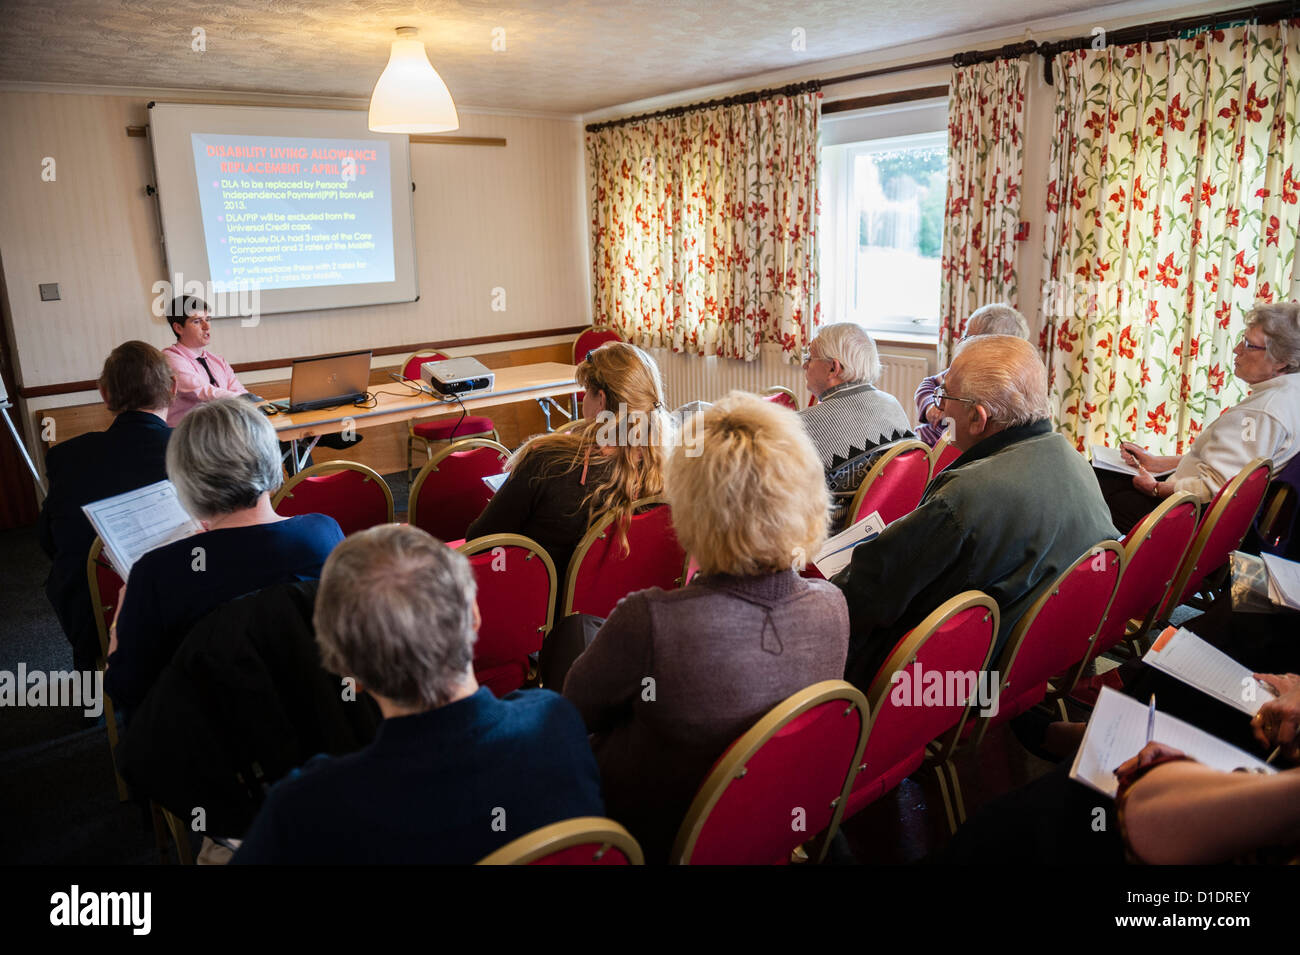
(1151,717)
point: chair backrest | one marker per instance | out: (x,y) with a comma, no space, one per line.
(449,493)
(600,574)
(954,642)
(104,588)
(783,396)
(942,454)
(590,339)
(1277,518)
(587,840)
(1153,552)
(1058,629)
(1225,524)
(354,495)
(411,367)
(894,484)
(780,784)
(516,600)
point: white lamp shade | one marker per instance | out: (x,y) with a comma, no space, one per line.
(410,96)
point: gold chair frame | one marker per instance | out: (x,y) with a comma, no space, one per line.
(99,607)
(782,390)
(488,541)
(558,836)
(878,468)
(597,532)
(329,467)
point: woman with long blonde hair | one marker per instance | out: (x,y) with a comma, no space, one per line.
(561,483)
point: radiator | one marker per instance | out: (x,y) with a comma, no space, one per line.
(692,378)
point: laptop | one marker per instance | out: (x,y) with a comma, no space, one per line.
(327,382)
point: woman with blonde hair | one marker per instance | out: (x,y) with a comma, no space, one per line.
(750,504)
(561,483)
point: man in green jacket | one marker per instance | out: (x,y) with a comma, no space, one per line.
(1015,510)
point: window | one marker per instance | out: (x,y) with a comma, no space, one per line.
(881,231)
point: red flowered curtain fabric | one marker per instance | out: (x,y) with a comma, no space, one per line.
(704,227)
(1172,209)
(986,148)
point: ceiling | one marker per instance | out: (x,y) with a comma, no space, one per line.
(564,56)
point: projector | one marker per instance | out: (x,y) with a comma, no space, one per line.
(457,376)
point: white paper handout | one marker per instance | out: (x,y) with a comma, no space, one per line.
(838,551)
(1185,656)
(1110,459)
(134,523)
(1117,732)
(494,481)
(1283,581)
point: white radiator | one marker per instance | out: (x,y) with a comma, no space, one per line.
(692,378)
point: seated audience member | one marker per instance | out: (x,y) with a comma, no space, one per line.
(743,635)
(136,385)
(851,418)
(995,319)
(225,463)
(560,483)
(201,375)
(454,773)
(1266,424)
(1015,510)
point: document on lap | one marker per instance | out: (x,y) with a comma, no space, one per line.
(1186,657)
(134,523)
(494,481)
(838,551)
(1117,732)
(1109,459)
(1283,581)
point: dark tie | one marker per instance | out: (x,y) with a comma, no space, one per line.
(204,362)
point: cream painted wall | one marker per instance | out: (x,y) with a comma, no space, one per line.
(485,217)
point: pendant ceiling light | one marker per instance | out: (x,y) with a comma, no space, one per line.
(410,96)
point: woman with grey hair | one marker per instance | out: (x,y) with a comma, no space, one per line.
(1265,425)
(224,460)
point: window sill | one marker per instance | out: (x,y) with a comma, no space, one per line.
(905,339)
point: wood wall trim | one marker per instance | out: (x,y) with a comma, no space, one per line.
(72,387)
(884,99)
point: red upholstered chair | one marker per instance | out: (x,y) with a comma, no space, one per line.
(354,495)
(793,766)
(780,395)
(1153,552)
(956,638)
(449,493)
(600,574)
(426,433)
(516,598)
(894,485)
(585,342)
(587,840)
(1225,524)
(942,454)
(105,585)
(1056,633)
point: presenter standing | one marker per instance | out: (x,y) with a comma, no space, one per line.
(201,375)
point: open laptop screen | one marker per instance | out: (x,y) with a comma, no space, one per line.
(329,381)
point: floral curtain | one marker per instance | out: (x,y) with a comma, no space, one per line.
(704,227)
(1172,209)
(986,147)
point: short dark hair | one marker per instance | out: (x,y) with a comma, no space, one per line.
(181,308)
(136,377)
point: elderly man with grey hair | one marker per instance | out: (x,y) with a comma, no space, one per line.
(852,418)
(454,773)
(1014,511)
(224,460)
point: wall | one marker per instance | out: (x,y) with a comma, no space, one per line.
(485,217)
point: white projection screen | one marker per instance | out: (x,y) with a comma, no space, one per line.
(286,210)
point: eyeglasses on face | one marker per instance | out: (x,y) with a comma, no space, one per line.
(809,357)
(1245,343)
(939,396)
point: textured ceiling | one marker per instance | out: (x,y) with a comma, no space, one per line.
(568,56)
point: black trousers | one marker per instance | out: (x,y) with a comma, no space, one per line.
(1127,504)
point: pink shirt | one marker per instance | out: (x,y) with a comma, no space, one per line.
(193,387)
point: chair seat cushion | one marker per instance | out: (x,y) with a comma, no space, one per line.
(453,427)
